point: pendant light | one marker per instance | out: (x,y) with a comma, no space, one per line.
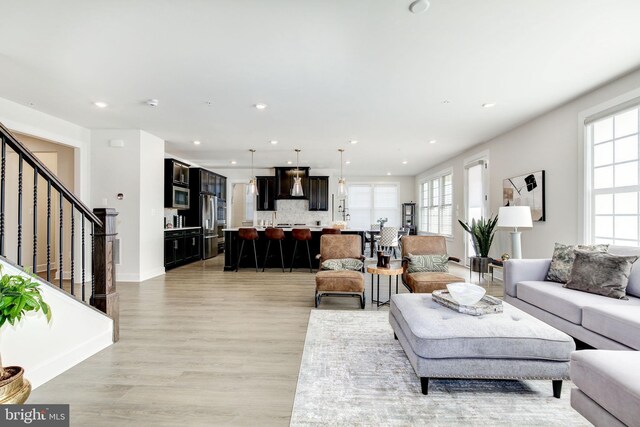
(342,183)
(253,187)
(296,190)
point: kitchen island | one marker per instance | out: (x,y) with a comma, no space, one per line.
(232,247)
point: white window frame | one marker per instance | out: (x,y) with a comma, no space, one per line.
(589,194)
(372,185)
(423,228)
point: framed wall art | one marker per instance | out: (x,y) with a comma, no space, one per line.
(526,190)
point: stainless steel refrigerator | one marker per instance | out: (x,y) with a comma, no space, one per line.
(209,222)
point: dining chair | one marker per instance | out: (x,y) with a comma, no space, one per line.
(389,240)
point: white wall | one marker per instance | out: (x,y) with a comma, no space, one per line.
(550,142)
(151,206)
(136,171)
(45,350)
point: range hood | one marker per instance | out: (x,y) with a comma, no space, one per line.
(284,182)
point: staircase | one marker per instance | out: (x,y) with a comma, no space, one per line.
(46,230)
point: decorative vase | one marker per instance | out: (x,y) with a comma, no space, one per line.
(380,259)
(480,264)
(386,261)
(15,389)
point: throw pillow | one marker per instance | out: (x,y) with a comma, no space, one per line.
(601,273)
(420,263)
(343,264)
(562,260)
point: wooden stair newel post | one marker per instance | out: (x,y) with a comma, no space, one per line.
(105,297)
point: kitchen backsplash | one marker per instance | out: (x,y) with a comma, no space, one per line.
(295,212)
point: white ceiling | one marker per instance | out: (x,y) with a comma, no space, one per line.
(329,70)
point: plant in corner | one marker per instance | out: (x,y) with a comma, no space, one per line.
(482,232)
(18,296)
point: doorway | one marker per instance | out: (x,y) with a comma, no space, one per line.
(476,197)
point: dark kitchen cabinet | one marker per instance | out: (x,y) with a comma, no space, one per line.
(319,193)
(266,200)
(177,173)
(207,182)
(181,247)
(284,182)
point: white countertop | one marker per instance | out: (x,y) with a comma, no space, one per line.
(310,227)
(181,228)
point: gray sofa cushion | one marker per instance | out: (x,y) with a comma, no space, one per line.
(611,379)
(633,287)
(621,324)
(436,332)
(601,273)
(563,257)
(563,302)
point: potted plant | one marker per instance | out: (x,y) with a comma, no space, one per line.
(482,232)
(18,296)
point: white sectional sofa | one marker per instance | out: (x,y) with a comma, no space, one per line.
(601,322)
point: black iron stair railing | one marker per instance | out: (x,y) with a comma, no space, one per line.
(26,158)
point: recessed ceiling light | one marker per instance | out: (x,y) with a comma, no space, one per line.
(433,141)
(101,104)
(489,104)
(273,142)
(289,162)
(419,6)
(388,173)
(354,141)
(446,101)
(233,162)
(152,102)
(196,142)
(348,162)
(260,106)
(404,162)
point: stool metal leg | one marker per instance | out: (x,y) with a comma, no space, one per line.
(255,254)
(281,256)
(309,257)
(239,256)
(295,248)
(266,256)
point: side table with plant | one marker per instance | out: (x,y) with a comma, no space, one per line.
(18,296)
(482,232)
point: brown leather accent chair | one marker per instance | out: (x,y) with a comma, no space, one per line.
(425,282)
(340,282)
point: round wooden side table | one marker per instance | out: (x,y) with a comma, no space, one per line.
(394,269)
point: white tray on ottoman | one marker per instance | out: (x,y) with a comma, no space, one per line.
(442,343)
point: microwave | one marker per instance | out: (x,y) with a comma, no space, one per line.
(180,198)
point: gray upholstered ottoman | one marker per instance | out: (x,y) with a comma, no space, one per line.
(442,343)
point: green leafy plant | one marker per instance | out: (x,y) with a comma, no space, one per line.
(18,296)
(482,232)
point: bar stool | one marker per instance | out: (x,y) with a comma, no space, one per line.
(330,230)
(299,235)
(245,234)
(273,234)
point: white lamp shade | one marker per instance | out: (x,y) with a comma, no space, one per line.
(514,217)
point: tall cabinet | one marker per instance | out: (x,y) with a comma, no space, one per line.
(409,217)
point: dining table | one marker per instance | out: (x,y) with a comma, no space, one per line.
(373,234)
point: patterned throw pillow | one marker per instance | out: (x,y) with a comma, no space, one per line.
(343,264)
(601,273)
(420,263)
(562,261)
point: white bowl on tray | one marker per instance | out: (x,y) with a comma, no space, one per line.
(466,293)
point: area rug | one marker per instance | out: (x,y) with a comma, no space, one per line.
(353,373)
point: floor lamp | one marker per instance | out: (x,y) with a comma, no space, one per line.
(514,217)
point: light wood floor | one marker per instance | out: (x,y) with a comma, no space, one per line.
(201,347)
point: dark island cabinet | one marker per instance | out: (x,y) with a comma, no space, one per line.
(182,247)
(318,193)
(266,200)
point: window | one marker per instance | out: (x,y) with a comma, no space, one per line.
(436,205)
(369,202)
(614,179)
